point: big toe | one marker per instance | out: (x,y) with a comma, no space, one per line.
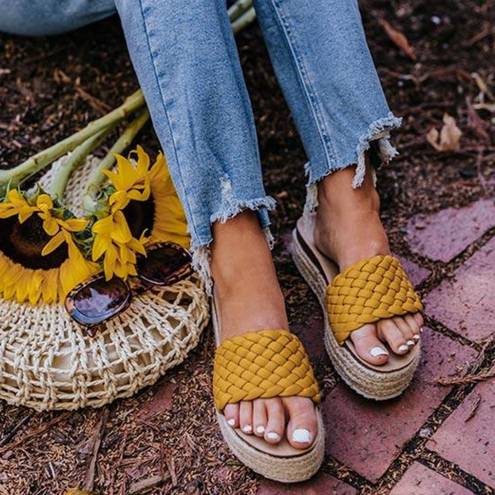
(368,346)
(302,427)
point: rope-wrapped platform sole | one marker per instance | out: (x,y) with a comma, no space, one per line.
(283,469)
(365,381)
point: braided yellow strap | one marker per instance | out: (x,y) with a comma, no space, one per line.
(369,291)
(265,364)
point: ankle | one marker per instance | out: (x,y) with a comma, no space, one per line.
(247,291)
(345,201)
(348,227)
(239,246)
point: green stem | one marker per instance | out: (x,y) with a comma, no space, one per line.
(43,158)
(97,176)
(76,158)
(239,8)
(244,20)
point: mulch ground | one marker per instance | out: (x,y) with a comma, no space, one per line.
(50,87)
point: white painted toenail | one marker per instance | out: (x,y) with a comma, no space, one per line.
(301,436)
(231,422)
(421,329)
(271,435)
(416,337)
(378,351)
(410,343)
(247,428)
(260,429)
(403,348)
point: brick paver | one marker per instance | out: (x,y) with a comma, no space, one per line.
(366,435)
(416,273)
(319,485)
(419,480)
(445,234)
(466,303)
(466,437)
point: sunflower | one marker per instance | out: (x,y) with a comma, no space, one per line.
(169,219)
(39,259)
(114,242)
(143,202)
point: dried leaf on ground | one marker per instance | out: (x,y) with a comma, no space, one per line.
(399,39)
(448,139)
(467,379)
(490,107)
(482,86)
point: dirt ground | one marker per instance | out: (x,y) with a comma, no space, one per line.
(50,87)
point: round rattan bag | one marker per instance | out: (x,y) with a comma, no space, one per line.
(48,362)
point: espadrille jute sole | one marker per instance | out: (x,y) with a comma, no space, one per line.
(280,462)
(372,382)
(285,469)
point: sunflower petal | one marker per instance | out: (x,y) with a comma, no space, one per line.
(137,246)
(143,161)
(53,243)
(103,226)
(44,202)
(127,173)
(100,245)
(119,200)
(25,213)
(75,224)
(121,232)
(109,262)
(50,226)
(120,269)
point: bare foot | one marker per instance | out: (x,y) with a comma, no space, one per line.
(348,229)
(249,298)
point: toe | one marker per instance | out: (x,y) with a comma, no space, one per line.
(302,426)
(275,425)
(390,333)
(419,320)
(231,413)
(407,333)
(413,325)
(246,416)
(368,346)
(259,417)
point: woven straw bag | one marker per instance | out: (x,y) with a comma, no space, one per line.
(48,362)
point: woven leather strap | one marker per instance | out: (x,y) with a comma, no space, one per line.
(369,291)
(269,363)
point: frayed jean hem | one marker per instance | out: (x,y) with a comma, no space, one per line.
(201,249)
(379,131)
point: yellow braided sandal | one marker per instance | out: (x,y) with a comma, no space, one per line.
(265,364)
(366,292)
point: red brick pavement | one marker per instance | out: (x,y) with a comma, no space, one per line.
(378,447)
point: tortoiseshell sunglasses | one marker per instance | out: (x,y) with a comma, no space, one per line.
(97,300)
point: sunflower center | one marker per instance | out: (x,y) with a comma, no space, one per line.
(140,216)
(23,243)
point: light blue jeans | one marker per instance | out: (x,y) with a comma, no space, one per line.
(185,57)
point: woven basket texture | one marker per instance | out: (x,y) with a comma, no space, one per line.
(47,362)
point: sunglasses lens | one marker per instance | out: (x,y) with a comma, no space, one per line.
(165,264)
(99,300)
